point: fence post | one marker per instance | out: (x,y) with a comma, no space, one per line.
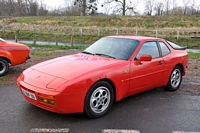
(72,41)
(178,34)
(156,33)
(81,29)
(19,27)
(117,31)
(15,37)
(56,40)
(34,41)
(3,28)
(136,32)
(33,29)
(65,30)
(49,30)
(98,29)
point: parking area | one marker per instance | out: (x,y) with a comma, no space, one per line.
(153,111)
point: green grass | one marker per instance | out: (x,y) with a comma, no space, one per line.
(4,78)
(144,22)
(194,55)
(150,22)
(42,54)
(57,47)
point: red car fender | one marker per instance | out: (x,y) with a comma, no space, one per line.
(180,61)
(79,87)
(5,54)
(18,56)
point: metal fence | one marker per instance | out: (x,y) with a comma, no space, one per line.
(101,31)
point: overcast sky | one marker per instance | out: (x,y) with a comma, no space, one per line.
(57,3)
(52,4)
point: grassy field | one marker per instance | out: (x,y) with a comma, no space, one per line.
(145,22)
(149,22)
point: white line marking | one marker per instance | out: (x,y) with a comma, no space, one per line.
(119,131)
(183,132)
(49,130)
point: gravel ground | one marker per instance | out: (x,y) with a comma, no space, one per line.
(190,84)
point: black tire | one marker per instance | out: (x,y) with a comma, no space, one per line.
(175,79)
(99,99)
(4,66)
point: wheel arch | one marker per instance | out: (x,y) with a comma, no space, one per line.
(108,81)
(181,66)
(89,112)
(8,60)
(113,86)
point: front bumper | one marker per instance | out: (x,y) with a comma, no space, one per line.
(65,103)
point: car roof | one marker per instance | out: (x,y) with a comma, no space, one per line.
(135,37)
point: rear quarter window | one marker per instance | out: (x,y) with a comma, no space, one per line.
(164,49)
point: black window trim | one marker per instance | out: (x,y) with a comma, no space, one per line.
(160,48)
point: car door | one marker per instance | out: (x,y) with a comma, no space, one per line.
(145,75)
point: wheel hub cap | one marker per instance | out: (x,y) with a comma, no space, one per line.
(100,99)
(175,78)
(2,67)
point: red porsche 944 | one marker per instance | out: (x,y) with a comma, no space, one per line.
(109,70)
(12,54)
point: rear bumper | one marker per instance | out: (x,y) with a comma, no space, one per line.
(28,57)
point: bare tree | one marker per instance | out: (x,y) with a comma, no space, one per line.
(159,8)
(42,11)
(71,9)
(10,7)
(89,6)
(167,4)
(149,6)
(174,6)
(2,8)
(33,7)
(192,6)
(107,7)
(186,4)
(122,6)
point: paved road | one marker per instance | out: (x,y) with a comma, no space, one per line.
(155,111)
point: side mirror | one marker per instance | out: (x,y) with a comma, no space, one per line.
(145,58)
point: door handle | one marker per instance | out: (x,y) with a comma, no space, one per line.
(160,63)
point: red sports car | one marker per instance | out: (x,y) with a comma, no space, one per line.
(12,54)
(111,69)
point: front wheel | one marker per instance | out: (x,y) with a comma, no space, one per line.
(99,99)
(4,66)
(175,79)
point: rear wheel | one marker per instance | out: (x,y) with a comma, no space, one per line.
(4,66)
(99,99)
(175,79)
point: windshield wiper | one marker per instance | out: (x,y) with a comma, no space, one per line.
(99,54)
(85,52)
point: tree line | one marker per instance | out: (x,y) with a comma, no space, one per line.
(100,7)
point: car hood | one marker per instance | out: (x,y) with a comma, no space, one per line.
(72,66)
(12,46)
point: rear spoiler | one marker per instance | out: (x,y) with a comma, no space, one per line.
(181,48)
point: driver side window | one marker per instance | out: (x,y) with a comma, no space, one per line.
(149,48)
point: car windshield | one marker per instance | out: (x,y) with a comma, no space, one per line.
(118,48)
